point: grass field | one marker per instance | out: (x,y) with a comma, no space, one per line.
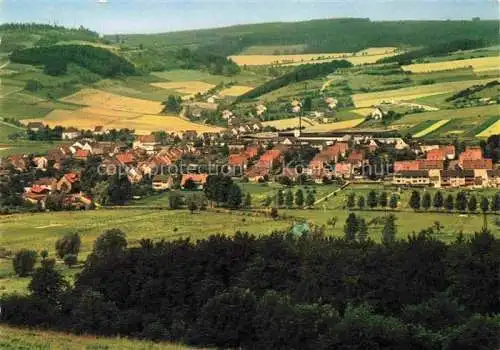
(23,339)
(245,77)
(235,90)
(476,113)
(494,129)
(190,88)
(477,64)
(263,60)
(346,124)
(414,92)
(289,123)
(431,128)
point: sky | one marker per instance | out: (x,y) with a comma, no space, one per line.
(153,16)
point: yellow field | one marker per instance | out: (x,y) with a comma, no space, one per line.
(411,93)
(18,338)
(262,60)
(363,111)
(186,87)
(346,124)
(235,90)
(290,123)
(102,99)
(492,130)
(478,65)
(141,123)
(373,54)
(431,128)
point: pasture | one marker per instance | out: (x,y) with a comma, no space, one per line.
(478,65)
(186,87)
(235,90)
(414,92)
(22,338)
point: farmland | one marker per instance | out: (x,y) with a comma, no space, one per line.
(477,64)
(288,123)
(494,129)
(346,124)
(18,338)
(414,92)
(370,55)
(186,87)
(431,128)
(235,90)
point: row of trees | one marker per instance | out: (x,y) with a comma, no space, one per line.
(301,73)
(288,198)
(277,292)
(461,202)
(372,201)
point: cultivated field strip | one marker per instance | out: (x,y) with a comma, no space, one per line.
(431,128)
(477,64)
(494,129)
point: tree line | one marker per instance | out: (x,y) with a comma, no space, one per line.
(275,291)
(437,49)
(301,73)
(462,201)
(56,58)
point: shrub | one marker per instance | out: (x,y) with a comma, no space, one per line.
(69,244)
(70,259)
(24,262)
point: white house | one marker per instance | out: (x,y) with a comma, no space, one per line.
(70,134)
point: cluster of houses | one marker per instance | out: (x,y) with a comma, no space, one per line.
(441,168)
(341,156)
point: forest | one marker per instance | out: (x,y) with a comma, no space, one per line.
(280,291)
(56,58)
(435,50)
(301,73)
(351,35)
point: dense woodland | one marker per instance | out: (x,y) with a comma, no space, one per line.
(350,35)
(57,57)
(435,50)
(276,292)
(301,73)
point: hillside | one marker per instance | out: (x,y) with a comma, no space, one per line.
(315,36)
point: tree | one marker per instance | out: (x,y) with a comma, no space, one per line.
(438,200)
(33,85)
(351,227)
(100,192)
(55,66)
(393,203)
(274,213)
(449,203)
(426,201)
(190,185)
(310,199)
(173,104)
(289,198)
(351,200)
(234,196)
(382,199)
(472,205)
(361,202)
(247,203)
(372,199)
(47,283)
(192,206)
(226,320)
(24,261)
(415,200)
(495,202)
(299,197)
(461,202)
(389,231)
(120,189)
(110,242)
(362,230)
(307,106)
(68,244)
(280,200)
(485,204)
(175,200)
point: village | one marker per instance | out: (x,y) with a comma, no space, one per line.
(185,161)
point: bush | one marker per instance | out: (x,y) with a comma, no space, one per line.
(24,262)
(69,244)
(70,260)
